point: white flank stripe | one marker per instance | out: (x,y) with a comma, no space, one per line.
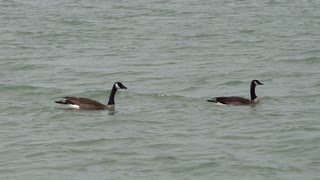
(73,106)
(220,104)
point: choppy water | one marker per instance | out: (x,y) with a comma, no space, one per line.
(172,56)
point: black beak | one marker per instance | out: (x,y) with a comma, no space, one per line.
(124,87)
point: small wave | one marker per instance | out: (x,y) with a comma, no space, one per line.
(9,87)
(312,60)
(20,67)
(247,31)
(74,22)
(231,83)
(305,60)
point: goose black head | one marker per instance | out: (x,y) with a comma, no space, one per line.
(119,85)
(256,82)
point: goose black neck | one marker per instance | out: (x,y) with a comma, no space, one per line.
(253,91)
(112,94)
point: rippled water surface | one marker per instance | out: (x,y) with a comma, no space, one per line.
(172,56)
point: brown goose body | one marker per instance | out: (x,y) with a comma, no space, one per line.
(83,103)
(231,100)
(236,100)
(86,103)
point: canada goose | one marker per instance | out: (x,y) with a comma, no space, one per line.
(235,100)
(85,103)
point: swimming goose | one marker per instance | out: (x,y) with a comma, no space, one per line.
(85,103)
(235,100)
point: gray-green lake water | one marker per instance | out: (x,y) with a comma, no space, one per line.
(172,56)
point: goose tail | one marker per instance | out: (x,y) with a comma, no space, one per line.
(60,102)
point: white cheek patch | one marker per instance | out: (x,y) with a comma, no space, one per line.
(117,86)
